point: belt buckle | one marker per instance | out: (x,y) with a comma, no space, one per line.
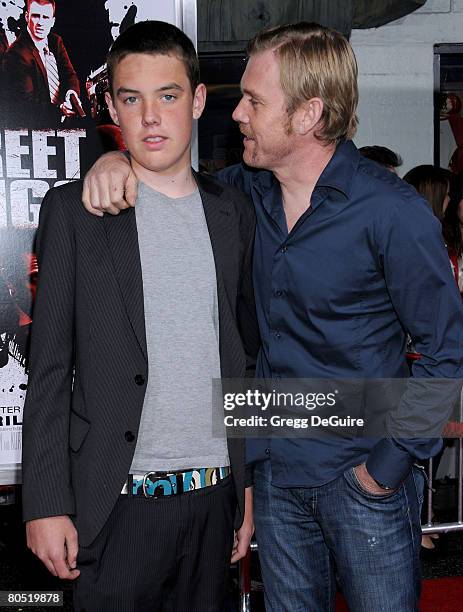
(144,485)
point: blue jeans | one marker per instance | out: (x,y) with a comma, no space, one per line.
(309,536)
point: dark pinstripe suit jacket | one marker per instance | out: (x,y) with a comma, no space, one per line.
(88,363)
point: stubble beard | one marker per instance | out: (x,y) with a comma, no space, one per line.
(276,154)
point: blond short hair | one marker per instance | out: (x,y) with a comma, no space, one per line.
(315,62)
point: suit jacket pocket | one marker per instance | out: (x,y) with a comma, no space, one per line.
(78,430)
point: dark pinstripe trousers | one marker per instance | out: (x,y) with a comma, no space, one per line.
(169,554)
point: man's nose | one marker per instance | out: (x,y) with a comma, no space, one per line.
(239,115)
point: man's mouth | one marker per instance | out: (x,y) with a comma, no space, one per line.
(246,135)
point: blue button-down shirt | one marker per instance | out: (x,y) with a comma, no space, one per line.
(365,263)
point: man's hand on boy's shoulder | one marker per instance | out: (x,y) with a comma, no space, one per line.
(110,185)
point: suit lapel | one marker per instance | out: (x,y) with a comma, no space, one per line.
(219,215)
(123,243)
(38,59)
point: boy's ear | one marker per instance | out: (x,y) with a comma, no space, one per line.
(111,108)
(199,100)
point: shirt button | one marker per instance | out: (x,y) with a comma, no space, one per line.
(129,436)
(139,379)
(278,335)
(284,249)
(267,451)
(279,293)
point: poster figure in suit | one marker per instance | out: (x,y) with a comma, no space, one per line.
(39,73)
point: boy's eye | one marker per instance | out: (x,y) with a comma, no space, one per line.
(130,100)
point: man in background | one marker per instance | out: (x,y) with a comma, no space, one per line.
(383,156)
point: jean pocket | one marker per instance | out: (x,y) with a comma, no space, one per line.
(352,479)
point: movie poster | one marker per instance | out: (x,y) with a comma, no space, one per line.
(53,124)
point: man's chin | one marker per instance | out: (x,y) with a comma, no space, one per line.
(251,160)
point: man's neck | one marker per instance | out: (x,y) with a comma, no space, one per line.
(298,179)
(174,185)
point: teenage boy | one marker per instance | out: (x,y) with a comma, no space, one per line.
(135,315)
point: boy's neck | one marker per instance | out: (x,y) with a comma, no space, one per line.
(175,184)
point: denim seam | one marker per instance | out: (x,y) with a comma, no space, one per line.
(409,518)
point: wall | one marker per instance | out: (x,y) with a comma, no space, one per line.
(396,79)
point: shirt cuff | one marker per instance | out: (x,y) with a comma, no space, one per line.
(388,464)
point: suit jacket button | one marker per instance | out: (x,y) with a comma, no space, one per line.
(139,379)
(129,436)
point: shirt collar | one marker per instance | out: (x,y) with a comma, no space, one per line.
(340,170)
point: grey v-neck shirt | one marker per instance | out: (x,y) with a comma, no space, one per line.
(182,335)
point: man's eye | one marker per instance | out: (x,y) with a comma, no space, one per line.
(253,102)
(130,100)
(169,97)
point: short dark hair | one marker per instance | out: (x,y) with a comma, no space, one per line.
(154,38)
(382,155)
(41,2)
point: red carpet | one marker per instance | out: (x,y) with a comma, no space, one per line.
(439,595)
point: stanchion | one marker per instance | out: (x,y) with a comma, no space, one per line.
(245,582)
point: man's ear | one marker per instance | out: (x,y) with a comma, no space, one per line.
(111,108)
(307,116)
(199,101)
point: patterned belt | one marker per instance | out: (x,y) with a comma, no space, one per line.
(161,484)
